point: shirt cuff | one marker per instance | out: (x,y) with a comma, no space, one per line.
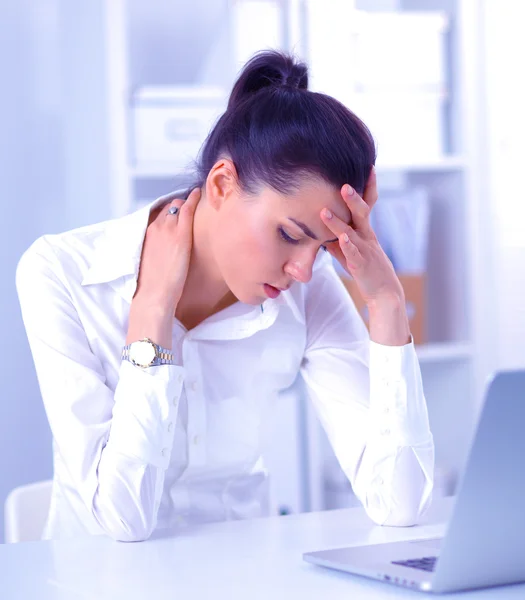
(145,412)
(397,402)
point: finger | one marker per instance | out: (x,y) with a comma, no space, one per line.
(180,202)
(187,214)
(347,246)
(371,194)
(177,203)
(346,253)
(337,225)
(351,251)
(358,207)
(334,249)
(188,207)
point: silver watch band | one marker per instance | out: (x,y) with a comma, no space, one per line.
(163,357)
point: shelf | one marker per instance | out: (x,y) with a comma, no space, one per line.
(162,170)
(444,351)
(445,163)
(159,170)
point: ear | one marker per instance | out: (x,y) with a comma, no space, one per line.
(222,183)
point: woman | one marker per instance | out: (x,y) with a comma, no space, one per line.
(161,339)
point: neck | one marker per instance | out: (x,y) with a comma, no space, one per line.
(205,291)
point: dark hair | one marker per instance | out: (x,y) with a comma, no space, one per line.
(277,132)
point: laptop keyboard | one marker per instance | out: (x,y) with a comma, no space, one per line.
(426,563)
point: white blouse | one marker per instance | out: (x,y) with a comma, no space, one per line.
(135,450)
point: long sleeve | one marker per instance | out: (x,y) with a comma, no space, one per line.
(370,401)
(115,445)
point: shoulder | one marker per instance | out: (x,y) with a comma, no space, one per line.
(64,256)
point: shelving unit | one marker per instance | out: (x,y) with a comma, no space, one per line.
(444,165)
(443,352)
(154,171)
(457,359)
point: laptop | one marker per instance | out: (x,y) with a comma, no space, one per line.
(484,544)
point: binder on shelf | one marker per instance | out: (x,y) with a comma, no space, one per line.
(414,286)
(398,87)
(412,52)
(170,123)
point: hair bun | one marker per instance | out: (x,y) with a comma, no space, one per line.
(268,68)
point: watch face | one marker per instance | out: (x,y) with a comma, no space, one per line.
(142,353)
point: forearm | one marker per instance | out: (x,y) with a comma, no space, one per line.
(370,399)
(151,319)
(395,484)
(126,501)
(138,450)
(388,321)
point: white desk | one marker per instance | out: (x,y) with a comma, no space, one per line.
(248,560)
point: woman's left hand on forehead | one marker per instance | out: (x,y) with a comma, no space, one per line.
(357,249)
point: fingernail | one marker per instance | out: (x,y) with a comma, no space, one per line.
(346,239)
(328,214)
(350,190)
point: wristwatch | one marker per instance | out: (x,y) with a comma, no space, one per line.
(145,353)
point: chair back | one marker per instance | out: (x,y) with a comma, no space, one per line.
(25,512)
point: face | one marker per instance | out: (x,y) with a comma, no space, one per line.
(267,239)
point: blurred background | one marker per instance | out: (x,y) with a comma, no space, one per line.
(104,104)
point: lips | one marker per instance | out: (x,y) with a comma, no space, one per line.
(271,291)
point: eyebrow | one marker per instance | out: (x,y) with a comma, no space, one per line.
(308,231)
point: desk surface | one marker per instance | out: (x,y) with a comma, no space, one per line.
(260,558)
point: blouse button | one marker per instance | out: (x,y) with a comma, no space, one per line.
(170,427)
(164,452)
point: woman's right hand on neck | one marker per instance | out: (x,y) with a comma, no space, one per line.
(163,270)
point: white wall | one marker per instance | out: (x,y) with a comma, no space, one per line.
(505,102)
(170,42)
(29,157)
(53,176)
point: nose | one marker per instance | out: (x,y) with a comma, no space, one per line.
(301,269)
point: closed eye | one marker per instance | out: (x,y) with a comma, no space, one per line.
(292,240)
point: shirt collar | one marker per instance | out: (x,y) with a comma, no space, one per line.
(117,258)
(118,250)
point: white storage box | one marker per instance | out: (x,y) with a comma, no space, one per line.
(170,123)
(400,50)
(256,25)
(407,127)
